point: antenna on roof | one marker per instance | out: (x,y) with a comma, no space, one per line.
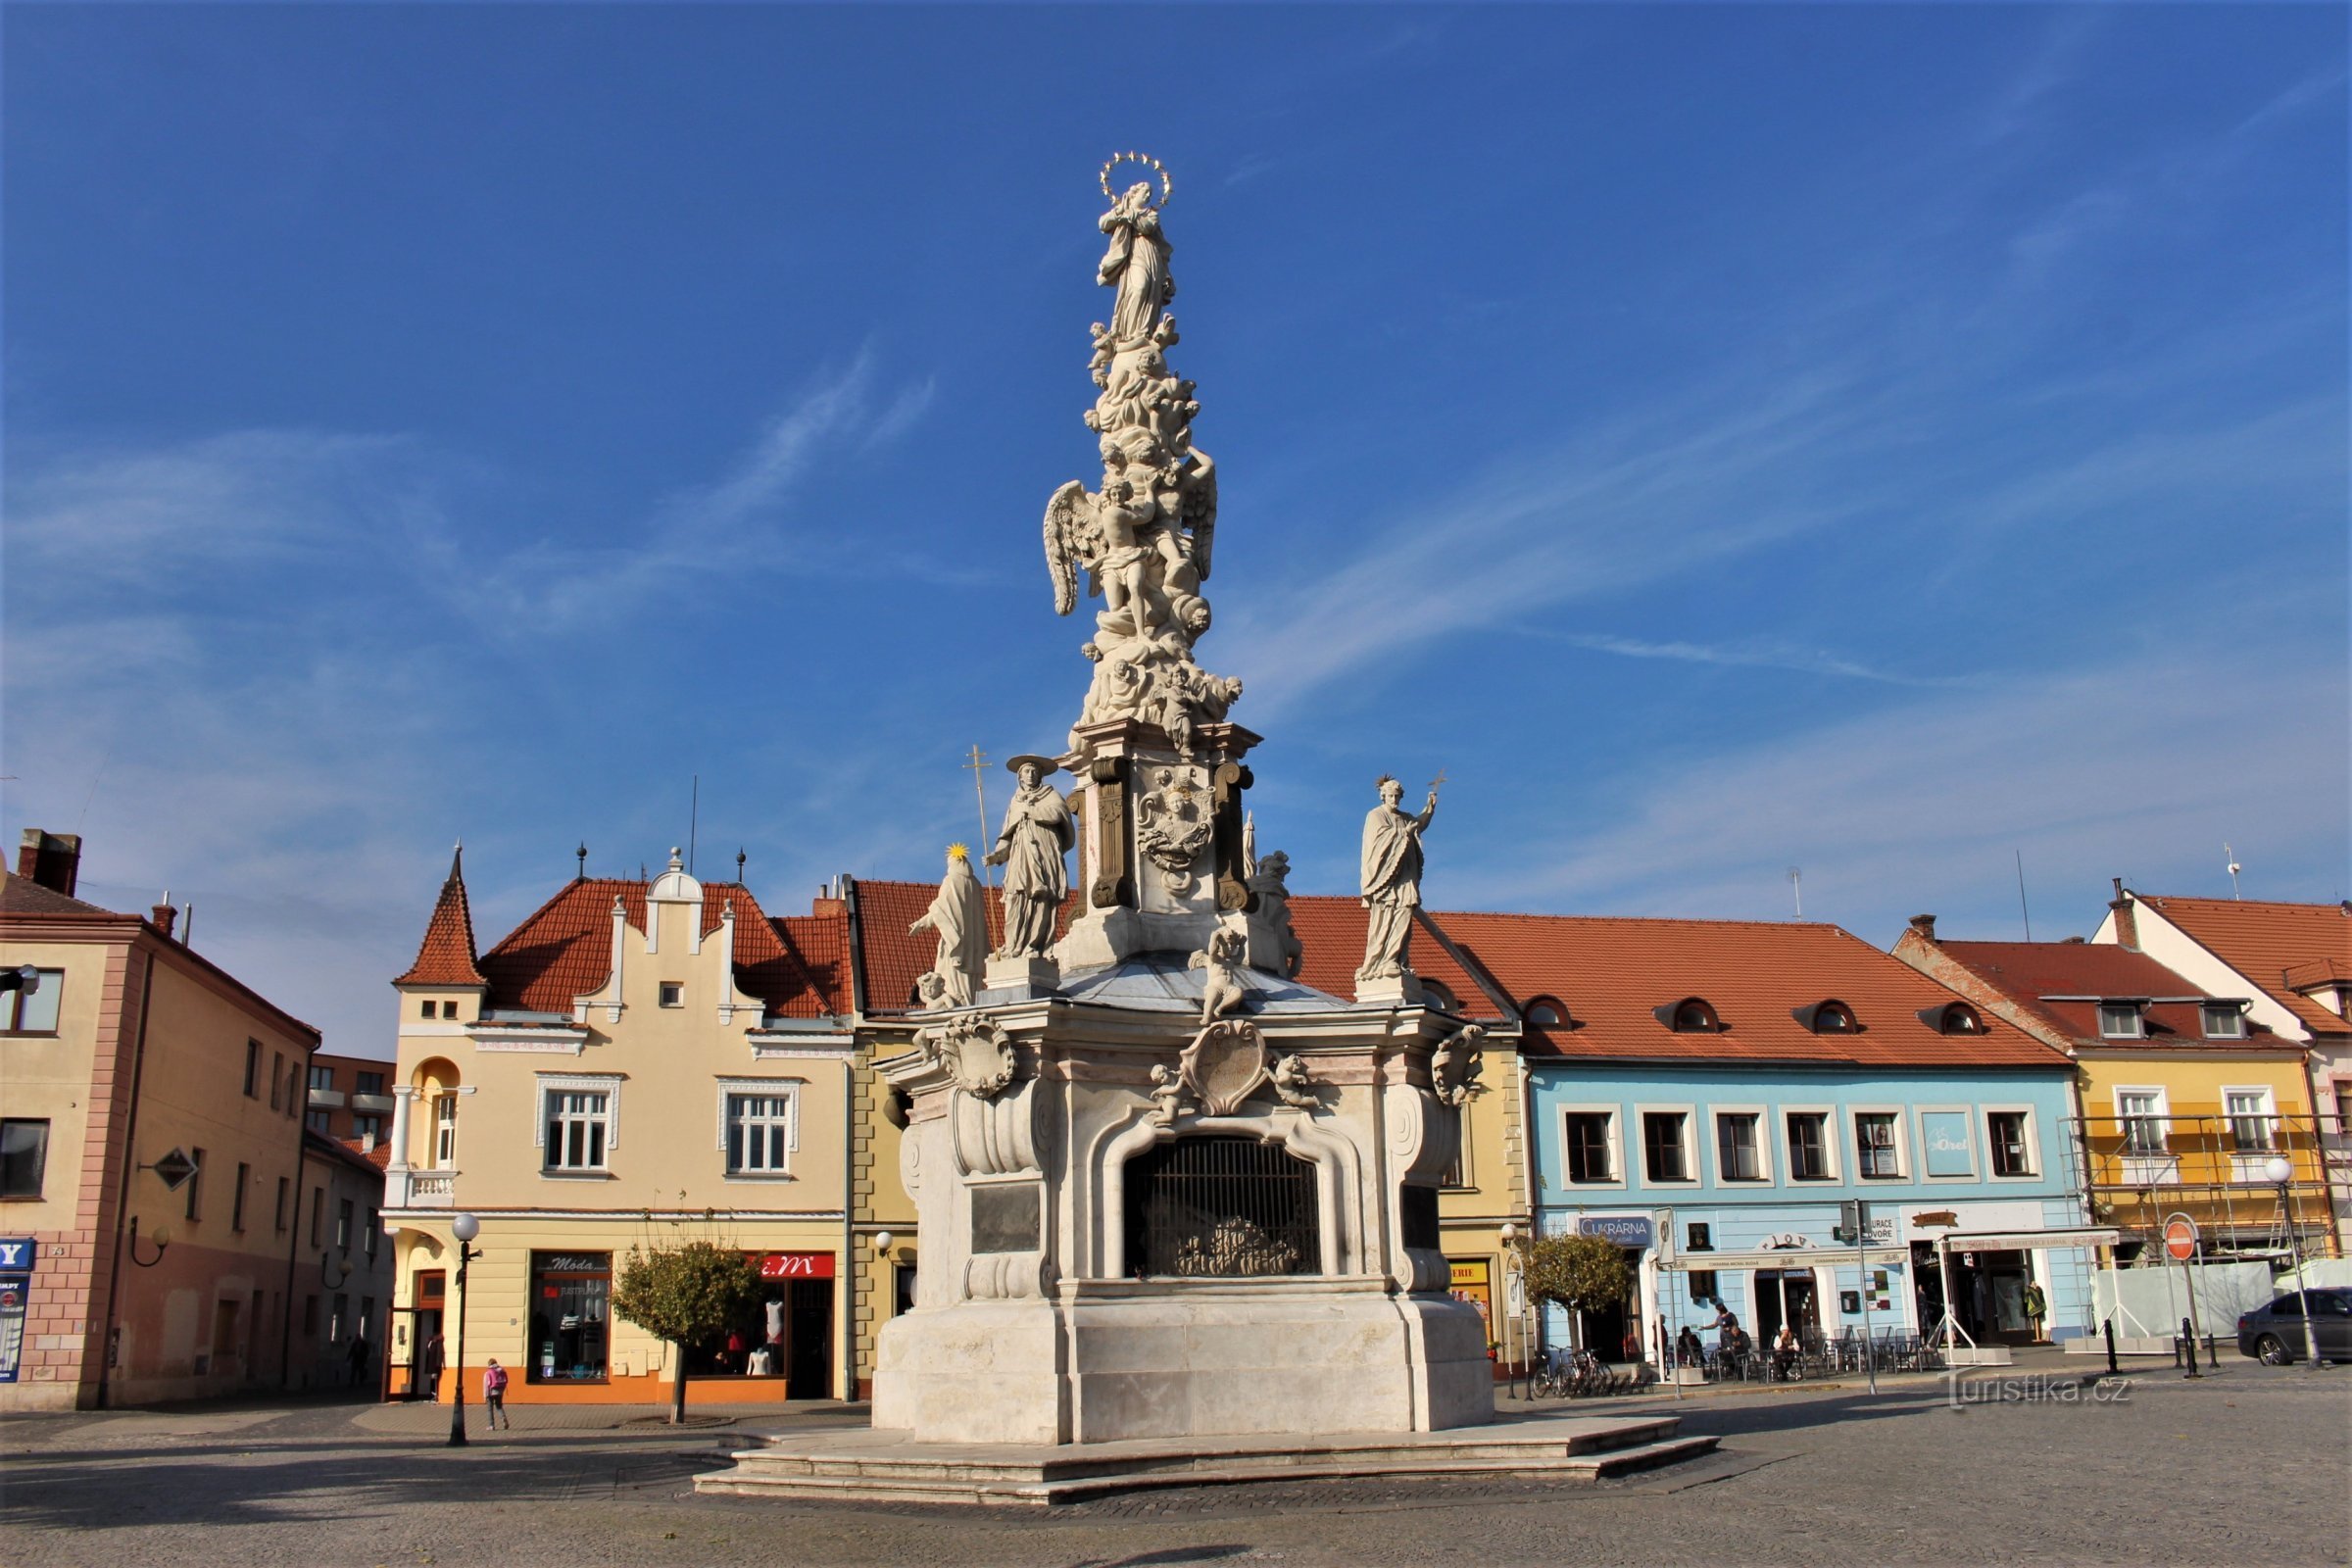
(2230,856)
(694,819)
(1796,885)
(2021,894)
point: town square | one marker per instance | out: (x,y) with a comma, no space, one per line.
(664,908)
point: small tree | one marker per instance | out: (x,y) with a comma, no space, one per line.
(684,1294)
(1581,1273)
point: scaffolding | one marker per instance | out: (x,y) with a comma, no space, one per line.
(2135,1170)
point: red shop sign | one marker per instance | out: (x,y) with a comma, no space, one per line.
(797,1267)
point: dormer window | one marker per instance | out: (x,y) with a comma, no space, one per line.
(2119,1020)
(2224,1021)
(1832,1017)
(1960,1018)
(1439,996)
(1692,1016)
(1547,1013)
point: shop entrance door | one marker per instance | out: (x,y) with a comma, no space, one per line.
(1785,1296)
(811,1356)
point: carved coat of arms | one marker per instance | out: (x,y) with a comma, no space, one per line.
(976,1054)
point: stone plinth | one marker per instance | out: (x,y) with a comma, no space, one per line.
(1152,1228)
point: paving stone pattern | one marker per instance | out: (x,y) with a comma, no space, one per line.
(2247,1466)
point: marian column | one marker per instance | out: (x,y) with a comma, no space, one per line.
(1157,761)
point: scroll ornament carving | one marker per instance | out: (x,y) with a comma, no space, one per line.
(1144,537)
(1223,1065)
(1455,1065)
(973,1052)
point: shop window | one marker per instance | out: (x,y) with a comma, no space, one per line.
(34,1011)
(1737,1157)
(1875,1152)
(24,1156)
(1809,1146)
(1587,1137)
(571,1294)
(2012,1150)
(1663,1158)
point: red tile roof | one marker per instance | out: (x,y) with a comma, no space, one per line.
(1612,974)
(21,895)
(1330,937)
(892,959)
(2265,941)
(564,950)
(2029,973)
(446,956)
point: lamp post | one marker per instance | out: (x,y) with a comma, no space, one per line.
(465,1227)
(2282,1174)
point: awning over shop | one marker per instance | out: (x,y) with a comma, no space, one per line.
(2029,1241)
(1787,1257)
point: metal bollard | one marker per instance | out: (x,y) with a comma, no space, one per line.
(2108,1328)
(2188,1342)
(2213,1358)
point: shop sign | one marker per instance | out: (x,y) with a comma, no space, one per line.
(17,1253)
(1945,1134)
(1786,1242)
(1473,1273)
(1635,1231)
(572,1262)
(797,1267)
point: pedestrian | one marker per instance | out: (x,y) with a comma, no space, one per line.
(359,1359)
(2037,1307)
(428,1369)
(494,1395)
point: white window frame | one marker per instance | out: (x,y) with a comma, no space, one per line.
(1691,1167)
(2033,1171)
(1764,1160)
(2236,1015)
(2139,1021)
(1977,1158)
(444,1132)
(1833,1148)
(2162,1116)
(787,1090)
(1616,1142)
(2269,1115)
(578,1083)
(44,1000)
(1905,1165)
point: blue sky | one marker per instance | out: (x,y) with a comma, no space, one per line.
(1879,440)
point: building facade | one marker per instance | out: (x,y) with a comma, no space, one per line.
(638,1063)
(150,1199)
(2182,1096)
(1707,1093)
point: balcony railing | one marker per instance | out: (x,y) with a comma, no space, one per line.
(382,1105)
(420,1188)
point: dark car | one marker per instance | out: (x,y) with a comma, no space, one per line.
(2274,1334)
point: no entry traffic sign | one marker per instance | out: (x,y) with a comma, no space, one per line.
(2180,1237)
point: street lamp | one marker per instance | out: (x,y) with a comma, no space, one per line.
(2282,1174)
(465,1227)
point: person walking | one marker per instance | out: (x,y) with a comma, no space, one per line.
(494,1395)
(358,1357)
(428,1369)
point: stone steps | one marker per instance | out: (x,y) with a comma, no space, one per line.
(888,1470)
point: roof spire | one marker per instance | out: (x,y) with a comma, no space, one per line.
(457,863)
(447,956)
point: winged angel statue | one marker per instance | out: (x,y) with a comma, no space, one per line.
(1144,537)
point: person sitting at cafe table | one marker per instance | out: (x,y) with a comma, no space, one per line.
(1784,1349)
(1688,1351)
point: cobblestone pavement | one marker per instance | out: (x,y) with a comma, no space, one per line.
(2252,1465)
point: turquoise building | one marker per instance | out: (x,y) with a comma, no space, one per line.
(1708,1094)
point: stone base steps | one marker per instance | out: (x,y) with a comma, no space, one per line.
(884,1467)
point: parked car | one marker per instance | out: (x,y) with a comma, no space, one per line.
(2274,1334)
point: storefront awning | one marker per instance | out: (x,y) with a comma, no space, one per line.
(2029,1241)
(1787,1257)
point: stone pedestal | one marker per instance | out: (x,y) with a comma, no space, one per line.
(1020,979)
(1389,991)
(1145,1227)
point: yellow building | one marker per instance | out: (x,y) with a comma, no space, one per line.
(637,1063)
(2183,1097)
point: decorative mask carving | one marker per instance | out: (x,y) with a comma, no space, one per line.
(1454,1067)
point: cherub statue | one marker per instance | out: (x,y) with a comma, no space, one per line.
(1291,1086)
(1221,992)
(1167,1095)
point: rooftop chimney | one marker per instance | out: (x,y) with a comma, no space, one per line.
(164,915)
(51,859)
(2126,924)
(1925,925)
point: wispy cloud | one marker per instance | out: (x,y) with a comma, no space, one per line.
(1754,653)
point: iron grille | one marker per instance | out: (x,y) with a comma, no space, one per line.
(1221,1208)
